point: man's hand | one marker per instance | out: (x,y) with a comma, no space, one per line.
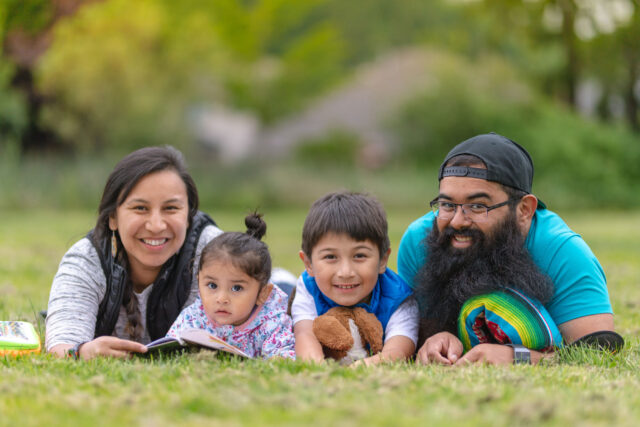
(443,347)
(491,354)
(496,354)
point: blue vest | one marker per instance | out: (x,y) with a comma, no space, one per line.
(389,292)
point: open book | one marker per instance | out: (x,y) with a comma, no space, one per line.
(18,338)
(193,338)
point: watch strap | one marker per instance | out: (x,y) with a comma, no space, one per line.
(521,354)
(74,352)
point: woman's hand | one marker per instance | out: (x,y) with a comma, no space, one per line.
(110,347)
(102,346)
(490,354)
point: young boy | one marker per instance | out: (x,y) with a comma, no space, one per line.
(345,248)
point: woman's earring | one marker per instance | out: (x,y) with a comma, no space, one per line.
(114,244)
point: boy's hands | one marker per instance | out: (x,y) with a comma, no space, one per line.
(308,348)
(443,347)
(396,348)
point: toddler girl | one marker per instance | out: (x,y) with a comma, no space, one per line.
(236,302)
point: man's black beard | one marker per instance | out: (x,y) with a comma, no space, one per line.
(451,276)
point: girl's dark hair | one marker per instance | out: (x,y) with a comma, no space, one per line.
(124,177)
(245,250)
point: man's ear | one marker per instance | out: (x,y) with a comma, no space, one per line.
(307,263)
(383,261)
(264,293)
(113,224)
(525,211)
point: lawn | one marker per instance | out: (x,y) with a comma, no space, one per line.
(577,387)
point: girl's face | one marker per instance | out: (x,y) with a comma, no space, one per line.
(152,223)
(228,293)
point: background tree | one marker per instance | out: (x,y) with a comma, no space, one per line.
(130,74)
(25,34)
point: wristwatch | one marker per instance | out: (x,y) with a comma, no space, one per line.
(74,352)
(521,354)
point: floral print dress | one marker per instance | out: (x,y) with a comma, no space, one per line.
(267,333)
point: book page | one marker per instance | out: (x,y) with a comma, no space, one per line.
(163,344)
(205,339)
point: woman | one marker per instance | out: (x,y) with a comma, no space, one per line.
(124,284)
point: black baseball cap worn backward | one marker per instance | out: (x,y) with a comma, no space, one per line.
(507,162)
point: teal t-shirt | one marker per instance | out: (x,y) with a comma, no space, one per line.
(580,287)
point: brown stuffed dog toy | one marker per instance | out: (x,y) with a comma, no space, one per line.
(344,333)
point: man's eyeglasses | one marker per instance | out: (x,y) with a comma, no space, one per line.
(476,212)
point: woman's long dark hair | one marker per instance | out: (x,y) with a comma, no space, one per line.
(124,177)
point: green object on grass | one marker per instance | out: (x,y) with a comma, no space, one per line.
(18,338)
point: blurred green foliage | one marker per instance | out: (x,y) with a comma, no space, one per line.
(115,75)
(120,79)
(587,162)
(27,15)
(284,52)
(469,97)
(372,27)
(125,75)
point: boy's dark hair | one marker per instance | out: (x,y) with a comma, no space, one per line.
(245,250)
(360,216)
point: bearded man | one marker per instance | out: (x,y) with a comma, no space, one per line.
(487,232)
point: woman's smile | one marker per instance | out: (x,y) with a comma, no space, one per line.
(154,242)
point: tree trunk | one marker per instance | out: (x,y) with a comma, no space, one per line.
(23,49)
(569,39)
(632,54)
(35,136)
(631,99)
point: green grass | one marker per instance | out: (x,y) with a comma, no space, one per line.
(577,387)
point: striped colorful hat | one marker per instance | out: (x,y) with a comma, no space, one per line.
(507,316)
